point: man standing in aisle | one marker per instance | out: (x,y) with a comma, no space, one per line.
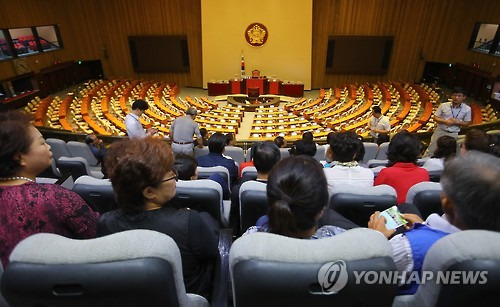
(379,124)
(450,116)
(182,131)
(132,123)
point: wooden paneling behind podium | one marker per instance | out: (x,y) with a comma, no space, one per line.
(423,30)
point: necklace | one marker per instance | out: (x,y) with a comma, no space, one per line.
(16,178)
(348,164)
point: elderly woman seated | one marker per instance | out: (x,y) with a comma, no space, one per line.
(143,179)
(27,207)
(346,150)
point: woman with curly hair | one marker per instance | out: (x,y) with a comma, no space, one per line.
(402,171)
(141,172)
(446,149)
(346,150)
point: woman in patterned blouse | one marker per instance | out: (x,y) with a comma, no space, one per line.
(27,207)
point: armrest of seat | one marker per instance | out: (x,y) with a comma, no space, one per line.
(222,281)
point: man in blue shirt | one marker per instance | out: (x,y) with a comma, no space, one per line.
(450,117)
(216,145)
(96,146)
(471,190)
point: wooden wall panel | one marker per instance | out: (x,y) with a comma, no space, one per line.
(119,19)
(424,30)
(97,29)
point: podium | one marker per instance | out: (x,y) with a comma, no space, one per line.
(256,83)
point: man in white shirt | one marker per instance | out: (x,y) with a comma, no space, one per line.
(378,124)
(450,116)
(132,123)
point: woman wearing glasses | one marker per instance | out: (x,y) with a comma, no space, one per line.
(141,172)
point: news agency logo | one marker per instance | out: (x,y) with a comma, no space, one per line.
(333,277)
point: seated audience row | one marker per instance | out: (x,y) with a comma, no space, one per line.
(143,173)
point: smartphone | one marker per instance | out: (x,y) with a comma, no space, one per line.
(393,218)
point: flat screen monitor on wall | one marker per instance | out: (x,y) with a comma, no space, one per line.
(157,54)
(360,55)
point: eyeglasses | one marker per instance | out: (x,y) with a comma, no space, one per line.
(174,177)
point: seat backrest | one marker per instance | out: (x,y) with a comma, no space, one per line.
(202,195)
(58,147)
(370,151)
(78,149)
(285,153)
(248,156)
(253,203)
(76,166)
(435,176)
(421,161)
(273,270)
(358,204)
(469,253)
(382,151)
(200,151)
(51,171)
(248,173)
(236,153)
(3,303)
(375,162)
(320,153)
(97,193)
(427,197)
(205,172)
(130,268)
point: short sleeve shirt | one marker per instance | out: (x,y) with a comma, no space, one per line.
(183,129)
(447,111)
(381,123)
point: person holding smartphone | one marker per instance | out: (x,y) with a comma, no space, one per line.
(471,191)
